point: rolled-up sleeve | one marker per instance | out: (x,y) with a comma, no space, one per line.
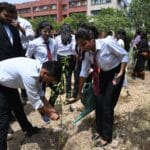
(29,32)
(117,50)
(34,92)
(31,49)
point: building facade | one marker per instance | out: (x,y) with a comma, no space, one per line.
(59,9)
(94,6)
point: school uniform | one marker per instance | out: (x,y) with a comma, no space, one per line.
(39,50)
(10,47)
(29,33)
(67,52)
(14,76)
(109,56)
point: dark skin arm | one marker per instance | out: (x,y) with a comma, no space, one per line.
(18,26)
(48,110)
(122,69)
(81,83)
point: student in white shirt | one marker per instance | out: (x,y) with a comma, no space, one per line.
(43,48)
(25,73)
(26,34)
(111,59)
(66,54)
(38,48)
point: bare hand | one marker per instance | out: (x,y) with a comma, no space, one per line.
(15,23)
(51,112)
(117,78)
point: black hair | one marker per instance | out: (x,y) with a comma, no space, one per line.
(65,32)
(53,68)
(40,26)
(143,35)
(138,31)
(8,7)
(87,32)
(110,32)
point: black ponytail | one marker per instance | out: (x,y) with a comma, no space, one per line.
(65,32)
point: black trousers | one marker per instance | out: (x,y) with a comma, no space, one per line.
(106,102)
(9,98)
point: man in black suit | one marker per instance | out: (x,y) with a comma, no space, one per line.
(10,46)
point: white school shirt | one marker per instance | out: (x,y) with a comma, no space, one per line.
(23,73)
(65,50)
(29,33)
(121,43)
(109,55)
(38,49)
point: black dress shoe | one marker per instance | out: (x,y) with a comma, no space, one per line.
(32,131)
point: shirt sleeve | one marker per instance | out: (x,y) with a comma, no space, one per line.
(86,65)
(31,49)
(117,50)
(121,43)
(56,42)
(54,51)
(29,33)
(73,43)
(34,92)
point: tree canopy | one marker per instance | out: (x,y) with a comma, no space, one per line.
(139,14)
(37,20)
(111,19)
(75,20)
(107,19)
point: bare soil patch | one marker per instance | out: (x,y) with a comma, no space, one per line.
(131,125)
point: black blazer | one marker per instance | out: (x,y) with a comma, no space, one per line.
(7,50)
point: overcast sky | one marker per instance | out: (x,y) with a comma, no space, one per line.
(16,1)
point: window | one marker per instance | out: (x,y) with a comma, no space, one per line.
(72,4)
(54,16)
(64,16)
(45,8)
(64,7)
(24,10)
(97,2)
(78,3)
(84,3)
(53,6)
(36,9)
(94,12)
